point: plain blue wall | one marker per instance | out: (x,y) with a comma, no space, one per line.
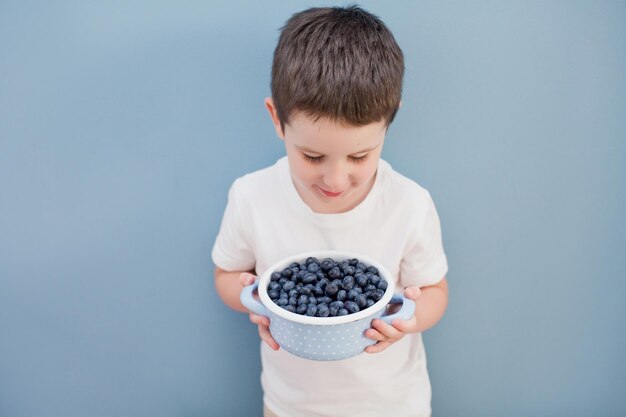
(122,125)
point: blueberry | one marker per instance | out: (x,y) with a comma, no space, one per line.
(372,269)
(323,282)
(306,290)
(312,260)
(301,274)
(338,304)
(302,308)
(369,287)
(360,266)
(312,300)
(361,279)
(352,294)
(376,295)
(318,291)
(333,310)
(289,285)
(325,299)
(287,273)
(334,273)
(326,264)
(352,307)
(370,303)
(282,302)
(347,283)
(293,265)
(273,294)
(283,281)
(273,285)
(342,312)
(323,311)
(331,289)
(374,279)
(303,299)
(382,285)
(311,310)
(343,265)
(349,270)
(293,301)
(309,278)
(294,293)
(290,308)
(321,276)
(313,267)
(275,276)
(342,295)
(353,261)
(361,301)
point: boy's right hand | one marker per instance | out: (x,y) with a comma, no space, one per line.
(263,322)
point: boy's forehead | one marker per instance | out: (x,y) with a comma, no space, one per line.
(319,135)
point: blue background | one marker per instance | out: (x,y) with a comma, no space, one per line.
(122,125)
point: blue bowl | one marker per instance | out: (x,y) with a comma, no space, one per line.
(324,338)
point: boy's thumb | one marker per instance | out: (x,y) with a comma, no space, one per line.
(412,292)
(246,279)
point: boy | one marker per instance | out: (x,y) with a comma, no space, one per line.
(336,87)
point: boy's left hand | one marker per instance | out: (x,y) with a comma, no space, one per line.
(386,334)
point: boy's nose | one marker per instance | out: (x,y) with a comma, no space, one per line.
(336,179)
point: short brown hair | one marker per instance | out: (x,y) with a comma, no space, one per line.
(340,63)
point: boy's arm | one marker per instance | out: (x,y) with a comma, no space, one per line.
(430,305)
(228,285)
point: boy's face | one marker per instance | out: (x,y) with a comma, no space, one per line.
(333,166)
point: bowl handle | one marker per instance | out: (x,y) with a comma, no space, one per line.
(406,311)
(251,303)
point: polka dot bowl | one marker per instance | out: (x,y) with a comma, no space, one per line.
(324,338)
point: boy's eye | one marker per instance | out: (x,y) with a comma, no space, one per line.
(318,159)
(358,159)
(313,159)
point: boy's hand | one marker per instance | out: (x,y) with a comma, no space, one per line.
(263,322)
(386,334)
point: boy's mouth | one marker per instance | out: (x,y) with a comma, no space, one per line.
(330,194)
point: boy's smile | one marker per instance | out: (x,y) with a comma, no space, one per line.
(333,166)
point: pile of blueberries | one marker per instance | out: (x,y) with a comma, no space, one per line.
(326,288)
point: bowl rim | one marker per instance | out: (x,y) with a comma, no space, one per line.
(336,255)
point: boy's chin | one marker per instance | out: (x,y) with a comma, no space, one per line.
(330,205)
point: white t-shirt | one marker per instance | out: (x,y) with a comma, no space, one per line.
(397,224)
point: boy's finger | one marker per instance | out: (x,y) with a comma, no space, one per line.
(374,334)
(388,331)
(404,326)
(412,293)
(256,319)
(246,279)
(378,347)
(266,336)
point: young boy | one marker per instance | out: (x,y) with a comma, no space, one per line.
(336,87)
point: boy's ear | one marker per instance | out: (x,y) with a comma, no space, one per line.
(269,105)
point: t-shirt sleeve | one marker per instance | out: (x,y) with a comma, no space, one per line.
(232,250)
(424,261)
